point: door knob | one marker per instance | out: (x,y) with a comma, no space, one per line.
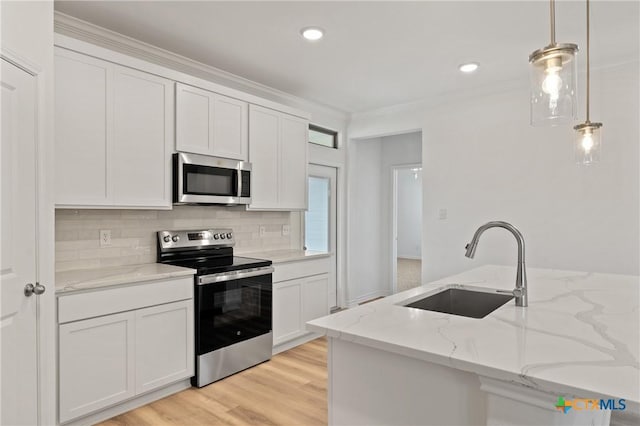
(37,289)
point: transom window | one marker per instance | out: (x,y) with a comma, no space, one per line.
(321,136)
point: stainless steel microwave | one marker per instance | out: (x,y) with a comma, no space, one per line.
(201,179)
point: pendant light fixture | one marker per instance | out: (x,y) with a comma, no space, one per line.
(587,144)
(553,80)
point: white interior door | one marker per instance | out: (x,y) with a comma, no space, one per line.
(18,360)
(320,219)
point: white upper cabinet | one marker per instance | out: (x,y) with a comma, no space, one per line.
(264,157)
(142,138)
(114,132)
(294,141)
(210,124)
(278,155)
(82,122)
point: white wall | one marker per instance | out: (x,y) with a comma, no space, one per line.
(483,161)
(409,219)
(365,241)
(370,211)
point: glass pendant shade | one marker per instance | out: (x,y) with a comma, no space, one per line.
(553,85)
(588,143)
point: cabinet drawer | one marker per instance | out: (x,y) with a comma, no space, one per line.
(103,301)
(299,269)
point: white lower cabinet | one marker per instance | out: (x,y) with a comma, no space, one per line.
(287,311)
(298,297)
(115,357)
(96,364)
(315,297)
(164,345)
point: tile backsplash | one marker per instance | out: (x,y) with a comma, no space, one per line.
(133,232)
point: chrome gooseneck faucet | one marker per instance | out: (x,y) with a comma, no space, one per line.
(520,292)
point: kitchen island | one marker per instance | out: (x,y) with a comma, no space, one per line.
(578,339)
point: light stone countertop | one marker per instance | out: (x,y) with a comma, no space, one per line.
(84,279)
(282,256)
(579,334)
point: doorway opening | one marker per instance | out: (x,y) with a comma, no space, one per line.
(406,227)
(372,249)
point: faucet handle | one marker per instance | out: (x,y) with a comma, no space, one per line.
(518,292)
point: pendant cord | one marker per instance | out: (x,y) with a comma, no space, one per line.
(588,65)
(552,15)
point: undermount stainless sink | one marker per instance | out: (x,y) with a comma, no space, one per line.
(472,302)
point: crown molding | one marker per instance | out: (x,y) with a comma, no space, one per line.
(85,31)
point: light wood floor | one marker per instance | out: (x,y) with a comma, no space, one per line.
(291,389)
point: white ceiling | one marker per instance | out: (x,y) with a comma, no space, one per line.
(374,54)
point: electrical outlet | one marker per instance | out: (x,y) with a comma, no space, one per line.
(262,230)
(285,230)
(105,237)
(442,214)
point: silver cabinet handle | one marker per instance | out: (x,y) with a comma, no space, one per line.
(37,289)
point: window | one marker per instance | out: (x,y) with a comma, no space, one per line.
(322,136)
(317,217)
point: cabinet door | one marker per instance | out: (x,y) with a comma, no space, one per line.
(230,128)
(315,297)
(96,364)
(82,129)
(164,345)
(287,311)
(142,138)
(264,155)
(293,159)
(194,119)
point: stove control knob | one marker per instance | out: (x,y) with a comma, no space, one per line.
(175,238)
(223,236)
(216,236)
(166,238)
(229,235)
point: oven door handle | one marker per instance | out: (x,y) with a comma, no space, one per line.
(234,275)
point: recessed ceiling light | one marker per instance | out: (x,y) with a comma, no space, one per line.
(468,68)
(312,33)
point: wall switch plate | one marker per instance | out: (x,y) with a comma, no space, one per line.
(105,237)
(442,214)
(262,230)
(286,229)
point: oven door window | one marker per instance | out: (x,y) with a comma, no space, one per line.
(232,311)
(205,180)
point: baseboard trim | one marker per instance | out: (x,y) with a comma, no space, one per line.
(367,297)
(295,342)
(131,404)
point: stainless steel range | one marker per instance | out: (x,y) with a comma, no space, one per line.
(232,295)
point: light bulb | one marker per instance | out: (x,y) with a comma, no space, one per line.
(587,142)
(552,83)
